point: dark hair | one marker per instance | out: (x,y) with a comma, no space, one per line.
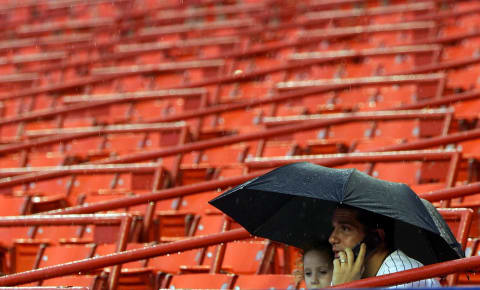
(373,221)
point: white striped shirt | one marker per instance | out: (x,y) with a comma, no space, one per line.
(398,261)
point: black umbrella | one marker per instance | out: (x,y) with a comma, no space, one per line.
(443,228)
(294,204)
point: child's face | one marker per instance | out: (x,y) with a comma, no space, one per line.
(317,269)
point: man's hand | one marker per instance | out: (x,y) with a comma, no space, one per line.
(346,268)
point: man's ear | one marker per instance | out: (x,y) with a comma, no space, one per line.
(381,234)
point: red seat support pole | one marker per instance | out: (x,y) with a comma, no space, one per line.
(432,142)
(454,192)
(123,257)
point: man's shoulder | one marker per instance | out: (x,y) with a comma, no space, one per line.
(397,261)
(400,257)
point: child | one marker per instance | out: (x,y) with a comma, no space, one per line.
(316,266)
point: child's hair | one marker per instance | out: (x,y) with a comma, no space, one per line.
(323,247)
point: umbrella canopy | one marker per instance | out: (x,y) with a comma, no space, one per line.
(443,228)
(294,204)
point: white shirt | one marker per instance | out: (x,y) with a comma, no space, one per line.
(398,261)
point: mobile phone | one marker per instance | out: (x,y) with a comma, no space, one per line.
(372,240)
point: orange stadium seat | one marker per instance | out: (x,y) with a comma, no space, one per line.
(218,281)
(65,253)
(270,281)
(91,281)
(248,257)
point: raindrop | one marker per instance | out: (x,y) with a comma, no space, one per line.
(367,133)
(174,204)
(468,252)
(259,255)
(321,134)
(416,131)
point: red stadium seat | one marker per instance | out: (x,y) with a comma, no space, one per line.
(93,282)
(271,281)
(65,253)
(248,257)
(217,281)
(174,263)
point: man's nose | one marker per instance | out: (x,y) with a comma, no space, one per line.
(332,239)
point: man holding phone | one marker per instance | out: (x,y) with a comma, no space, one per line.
(363,247)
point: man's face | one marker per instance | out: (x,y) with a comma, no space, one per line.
(347,230)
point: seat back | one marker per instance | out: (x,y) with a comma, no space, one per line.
(61,254)
(202,281)
(107,249)
(273,281)
(171,263)
(252,257)
(92,282)
(209,224)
